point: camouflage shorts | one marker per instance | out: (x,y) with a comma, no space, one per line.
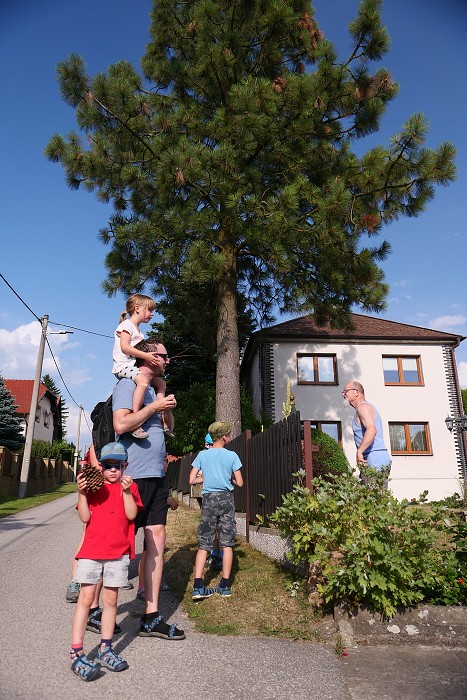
(218,509)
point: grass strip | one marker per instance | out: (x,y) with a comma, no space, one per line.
(267,600)
(10,506)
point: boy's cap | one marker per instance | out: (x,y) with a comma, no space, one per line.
(219,429)
(208,439)
(114,450)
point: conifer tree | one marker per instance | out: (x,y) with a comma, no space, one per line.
(51,386)
(10,425)
(231,161)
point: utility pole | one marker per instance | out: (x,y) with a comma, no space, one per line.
(75,463)
(32,413)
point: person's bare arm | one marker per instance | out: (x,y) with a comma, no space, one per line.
(125,421)
(129,504)
(237,478)
(83,506)
(367,419)
(196,476)
(128,349)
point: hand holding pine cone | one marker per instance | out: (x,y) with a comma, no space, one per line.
(94,477)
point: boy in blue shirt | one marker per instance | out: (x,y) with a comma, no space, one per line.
(218,470)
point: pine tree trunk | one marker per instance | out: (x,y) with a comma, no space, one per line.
(228,370)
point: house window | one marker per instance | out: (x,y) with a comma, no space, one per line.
(38,415)
(402,370)
(333,429)
(46,418)
(409,438)
(316,369)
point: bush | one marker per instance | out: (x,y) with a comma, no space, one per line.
(54,450)
(369,548)
(331,458)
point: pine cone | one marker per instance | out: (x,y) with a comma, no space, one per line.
(94,478)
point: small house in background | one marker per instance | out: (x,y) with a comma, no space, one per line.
(48,420)
(409,373)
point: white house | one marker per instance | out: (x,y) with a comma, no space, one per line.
(48,420)
(409,374)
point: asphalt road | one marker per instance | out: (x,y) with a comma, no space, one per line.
(36,548)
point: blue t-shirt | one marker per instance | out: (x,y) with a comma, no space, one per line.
(217,465)
(145,457)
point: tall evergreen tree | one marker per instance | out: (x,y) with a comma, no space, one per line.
(231,162)
(10,425)
(189,330)
(51,386)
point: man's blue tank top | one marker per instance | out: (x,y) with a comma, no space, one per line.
(358,431)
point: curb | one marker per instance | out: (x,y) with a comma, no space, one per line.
(422,625)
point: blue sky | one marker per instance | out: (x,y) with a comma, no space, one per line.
(50,252)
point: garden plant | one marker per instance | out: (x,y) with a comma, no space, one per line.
(366,548)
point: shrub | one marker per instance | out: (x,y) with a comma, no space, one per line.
(386,553)
(54,450)
(331,458)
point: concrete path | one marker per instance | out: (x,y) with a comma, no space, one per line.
(36,549)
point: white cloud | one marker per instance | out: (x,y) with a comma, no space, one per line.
(462,372)
(19,350)
(448,323)
(401,283)
(72,428)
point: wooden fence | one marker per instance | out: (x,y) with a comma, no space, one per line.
(269,459)
(44,474)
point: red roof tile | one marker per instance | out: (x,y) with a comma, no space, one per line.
(21,390)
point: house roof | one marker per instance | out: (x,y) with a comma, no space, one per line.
(364,328)
(21,390)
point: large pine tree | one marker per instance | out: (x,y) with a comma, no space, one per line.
(231,162)
(10,425)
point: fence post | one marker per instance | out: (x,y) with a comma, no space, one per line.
(247,486)
(308,454)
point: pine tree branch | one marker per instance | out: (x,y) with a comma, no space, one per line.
(125,126)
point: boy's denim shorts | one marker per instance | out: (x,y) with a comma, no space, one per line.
(218,510)
(114,572)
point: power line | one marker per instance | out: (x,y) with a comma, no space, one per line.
(65,325)
(60,374)
(21,300)
(48,344)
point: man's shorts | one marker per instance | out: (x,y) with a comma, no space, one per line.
(154,493)
(114,572)
(218,510)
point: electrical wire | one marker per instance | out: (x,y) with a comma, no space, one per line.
(65,325)
(50,349)
(21,300)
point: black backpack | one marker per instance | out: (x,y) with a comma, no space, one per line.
(102,425)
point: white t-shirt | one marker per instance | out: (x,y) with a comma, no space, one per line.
(120,360)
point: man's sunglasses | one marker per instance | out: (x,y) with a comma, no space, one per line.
(162,355)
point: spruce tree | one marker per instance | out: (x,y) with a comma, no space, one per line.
(10,425)
(231,161)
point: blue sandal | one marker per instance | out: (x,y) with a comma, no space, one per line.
(84,668)
(111,660)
